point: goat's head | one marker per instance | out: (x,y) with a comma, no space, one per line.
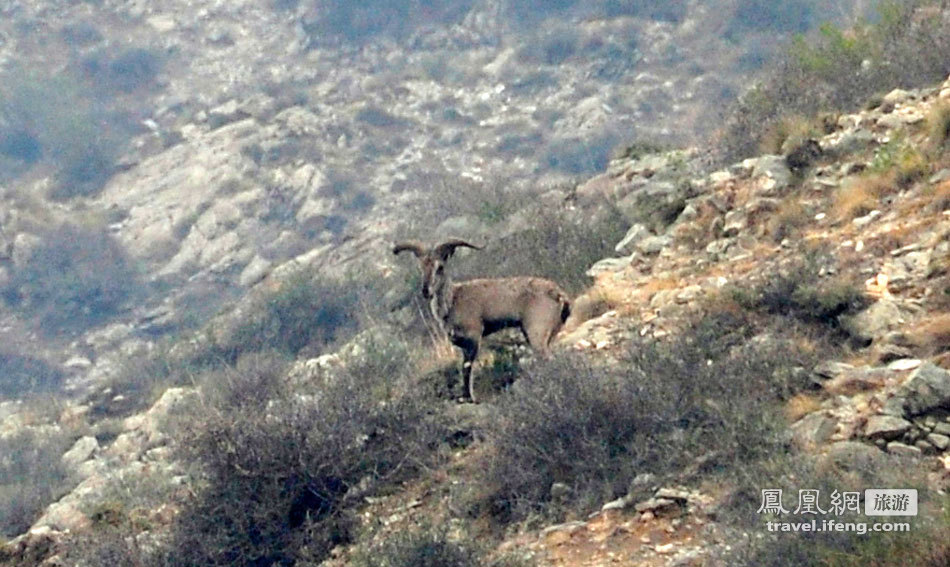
(432,260)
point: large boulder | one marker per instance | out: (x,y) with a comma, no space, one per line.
(927,389)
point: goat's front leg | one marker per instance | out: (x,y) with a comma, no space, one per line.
(469,352)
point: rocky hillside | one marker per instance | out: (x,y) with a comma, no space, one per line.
(837,251)
(210,355)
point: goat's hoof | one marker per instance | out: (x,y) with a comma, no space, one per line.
(466,400)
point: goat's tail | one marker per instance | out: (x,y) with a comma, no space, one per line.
(565,309)
(558,295)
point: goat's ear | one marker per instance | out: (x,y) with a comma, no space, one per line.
(447,248)
(411,245)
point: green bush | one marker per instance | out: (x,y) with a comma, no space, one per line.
(819,304)
(31,476)
(838,69)
(423,548)
(126,70)
(709,395)
(77,277)
(281,466)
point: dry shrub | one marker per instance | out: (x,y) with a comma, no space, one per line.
(860,195)
(938,126)
(708,395)
(281,465)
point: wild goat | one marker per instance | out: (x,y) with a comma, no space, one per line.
(470,310)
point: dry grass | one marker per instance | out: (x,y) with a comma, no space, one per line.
(788,132)
(790,217)
(938,126)
(933,334)
(861,195)
(801,405)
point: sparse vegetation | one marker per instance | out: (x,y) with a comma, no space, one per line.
(24,374)
(76,277)
(31,476)
(938,126)
(839,69)
(282,465)
(818,304)
(708,394)
(429,547)
(553,246)
(860,195)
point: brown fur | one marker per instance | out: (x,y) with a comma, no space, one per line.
(476,308)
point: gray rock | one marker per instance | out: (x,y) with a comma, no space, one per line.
(653,245)
(637,233)
(254,272)
(897,96)
(942,429)
(939,441)
(940,176)
(689,213)
(24,245)
(928,388)
(902,450)
(560,491)
(226,113)
(876,321)
(717,248)
(830,369)
(774,168)
(734,223)
(80,452)
(813,429)
(886,427)
(654,505)
(852,455)
(924,446)
(608,265)
(850,142)
(618,504)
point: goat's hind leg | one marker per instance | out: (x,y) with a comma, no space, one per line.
(469,352)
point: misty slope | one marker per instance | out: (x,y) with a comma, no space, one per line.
(261,159)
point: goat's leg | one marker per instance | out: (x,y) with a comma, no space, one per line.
(539,328)
(469,352)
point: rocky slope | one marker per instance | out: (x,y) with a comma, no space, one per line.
(877,220)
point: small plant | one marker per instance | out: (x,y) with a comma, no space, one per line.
(303,311)
(818,304)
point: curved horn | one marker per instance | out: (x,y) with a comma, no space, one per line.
(411,245)
(447,248)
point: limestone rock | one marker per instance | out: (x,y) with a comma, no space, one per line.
(875,321)
(928,388)
(634,236)
(813,429)
(886,427)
